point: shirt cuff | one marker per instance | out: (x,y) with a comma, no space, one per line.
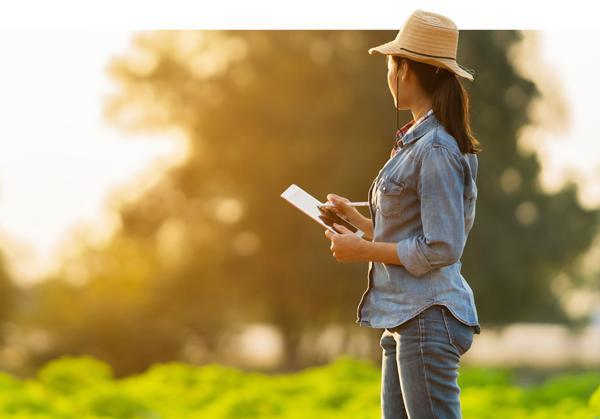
(411,257)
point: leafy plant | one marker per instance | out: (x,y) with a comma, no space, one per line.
(84,388)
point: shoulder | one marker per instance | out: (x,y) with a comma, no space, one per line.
(439,140)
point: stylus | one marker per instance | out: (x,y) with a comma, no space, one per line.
(352,204)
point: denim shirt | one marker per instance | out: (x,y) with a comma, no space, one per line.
(423,199)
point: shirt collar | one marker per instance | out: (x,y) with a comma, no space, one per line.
(413,131)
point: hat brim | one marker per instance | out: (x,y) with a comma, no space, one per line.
(392,48)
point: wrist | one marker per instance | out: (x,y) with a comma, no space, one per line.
(366,250)
(366,226)
(366,222)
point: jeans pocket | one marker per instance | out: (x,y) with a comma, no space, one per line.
(460,335)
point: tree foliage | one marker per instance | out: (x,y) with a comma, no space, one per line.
(9,293)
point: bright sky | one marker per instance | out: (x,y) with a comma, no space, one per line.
(574,153)
(59,161)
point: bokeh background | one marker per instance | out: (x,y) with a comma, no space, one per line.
(140,212)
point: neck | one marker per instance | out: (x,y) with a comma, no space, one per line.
(421,105)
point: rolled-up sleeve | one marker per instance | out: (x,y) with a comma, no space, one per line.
(440,191)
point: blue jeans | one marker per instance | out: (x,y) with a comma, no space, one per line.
(420,359)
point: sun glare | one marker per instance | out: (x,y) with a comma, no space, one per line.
(59,162)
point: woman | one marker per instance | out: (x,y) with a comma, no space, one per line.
(422,207)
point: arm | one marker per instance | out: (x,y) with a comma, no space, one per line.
(348,247)
(441,244)
(441,188)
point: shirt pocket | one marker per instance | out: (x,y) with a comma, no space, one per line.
(389,193)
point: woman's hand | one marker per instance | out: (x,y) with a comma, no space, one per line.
(351,214)
(346,246)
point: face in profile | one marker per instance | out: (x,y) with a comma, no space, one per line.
(397,85)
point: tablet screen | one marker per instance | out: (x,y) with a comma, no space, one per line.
(329,217)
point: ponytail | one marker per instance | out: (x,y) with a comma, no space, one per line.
(451,107)
(450,102)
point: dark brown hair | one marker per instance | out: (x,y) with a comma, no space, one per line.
(450,101)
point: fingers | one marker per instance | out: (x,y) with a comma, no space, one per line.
(342,229)
(341,205)
(336,237)
(342,257)
(337,241)
(335,199)
(336,254)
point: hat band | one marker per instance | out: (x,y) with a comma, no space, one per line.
(427,55)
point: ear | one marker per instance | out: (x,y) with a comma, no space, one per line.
(404,71)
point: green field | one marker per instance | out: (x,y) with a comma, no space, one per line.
(84,388)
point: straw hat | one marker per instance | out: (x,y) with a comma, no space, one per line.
(428,38)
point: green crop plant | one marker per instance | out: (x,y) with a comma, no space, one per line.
(85,388)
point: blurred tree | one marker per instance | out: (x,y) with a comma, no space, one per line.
(8,293)
(522,237)
(101,303)
(262,110)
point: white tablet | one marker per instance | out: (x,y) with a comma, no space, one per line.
(310,206)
